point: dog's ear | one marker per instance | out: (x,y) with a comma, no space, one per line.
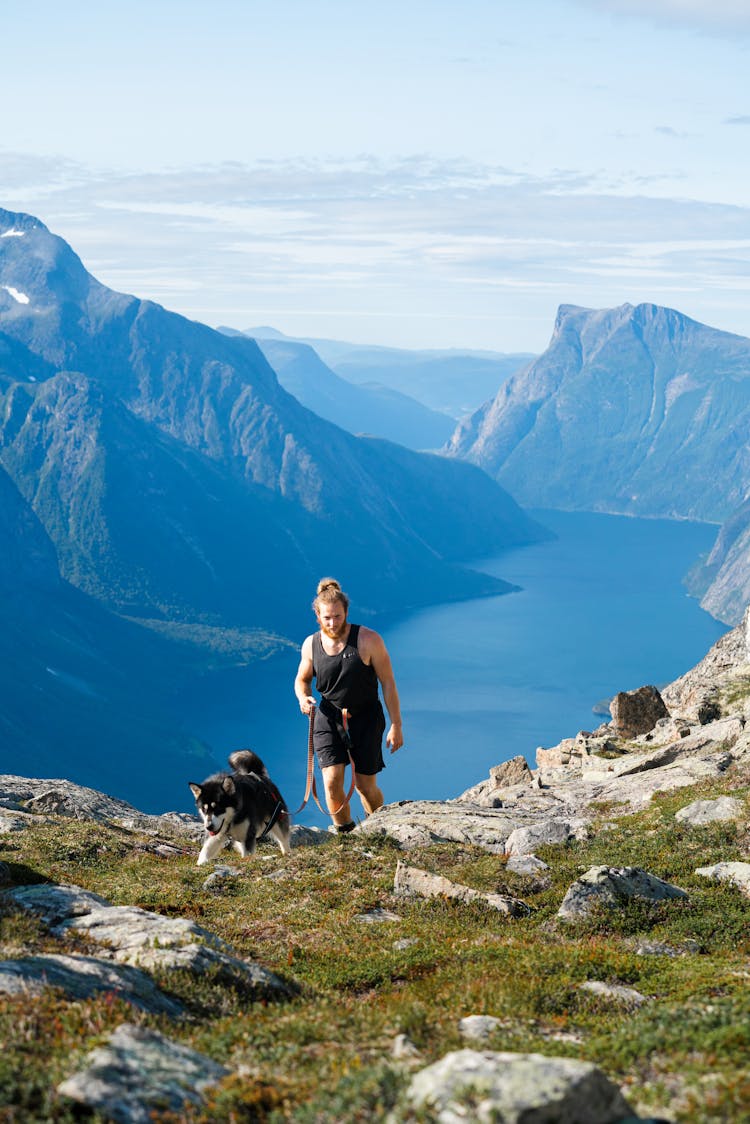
(195,789)
(228,785)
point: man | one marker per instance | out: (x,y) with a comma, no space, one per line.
(347,661)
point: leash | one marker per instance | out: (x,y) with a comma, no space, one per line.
(275,817)
(310,786)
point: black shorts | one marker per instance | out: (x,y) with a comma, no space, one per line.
(366,731)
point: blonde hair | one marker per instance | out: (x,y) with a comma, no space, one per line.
(330,590)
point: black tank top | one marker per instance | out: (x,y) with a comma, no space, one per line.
(344,679)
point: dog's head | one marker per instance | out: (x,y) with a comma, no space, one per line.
(216,801)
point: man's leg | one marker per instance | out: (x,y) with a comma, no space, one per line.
(369,793)
(333,780)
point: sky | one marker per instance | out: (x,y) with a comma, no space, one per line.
(419,173)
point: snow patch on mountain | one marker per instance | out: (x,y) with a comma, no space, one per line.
(16,294)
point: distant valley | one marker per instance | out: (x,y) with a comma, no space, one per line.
(171,506)
(167,503)
(633,410)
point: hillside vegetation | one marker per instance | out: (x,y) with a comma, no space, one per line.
(366,966)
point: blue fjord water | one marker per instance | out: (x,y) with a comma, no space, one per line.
(601,609)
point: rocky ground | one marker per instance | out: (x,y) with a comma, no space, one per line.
(696,729)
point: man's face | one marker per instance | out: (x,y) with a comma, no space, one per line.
(332,619)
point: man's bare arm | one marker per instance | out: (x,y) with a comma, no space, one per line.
(303,681)
(376,654)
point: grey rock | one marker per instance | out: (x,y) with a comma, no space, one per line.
(144,939)
(125,928)
(656,948)
(219,876)
(139,1072)
(737,873)
(55,904)
(200,958)
(410,881)
(479,1027)
(627,996)
(637,712)
(506,1088)
(404,943)
(711,811)
(307,836)
(82,976)
(420,822)
(376,916)
(687,694)
(60,797)
(488,792)
(525,840)
(526,864)
(403,1049)
(613,886)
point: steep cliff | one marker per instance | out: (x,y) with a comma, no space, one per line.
(634,410)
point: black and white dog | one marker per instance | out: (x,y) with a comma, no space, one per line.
(239,806)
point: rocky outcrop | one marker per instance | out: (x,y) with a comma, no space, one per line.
(516,1089)
(80,977)
(130,935)
(722,663)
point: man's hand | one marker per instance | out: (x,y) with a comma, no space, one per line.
(395,737)
(307,704)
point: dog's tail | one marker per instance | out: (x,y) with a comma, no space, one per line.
(245,761)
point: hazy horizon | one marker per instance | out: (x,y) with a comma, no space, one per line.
(419,176)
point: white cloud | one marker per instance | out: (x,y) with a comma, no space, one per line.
(722,16)
(413,252)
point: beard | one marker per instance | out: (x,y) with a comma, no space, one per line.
(338,634)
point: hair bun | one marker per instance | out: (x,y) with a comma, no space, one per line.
(328,583)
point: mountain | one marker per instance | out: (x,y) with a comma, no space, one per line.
(71,671)
(451,382)
(376,410)
(722,580)
(635,410)
(166,508)
(178,481)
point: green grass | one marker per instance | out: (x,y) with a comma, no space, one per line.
(326,1054)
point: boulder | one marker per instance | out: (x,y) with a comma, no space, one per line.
(737,873)
(711,811)
(508,1088)
(478,1027)
(525,840)
(488,793)
(140,1073)
(637,712)
(612,887)
(626,996)
(83,976)
(421,822)
(411,882)
(526,864)
(144,939)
